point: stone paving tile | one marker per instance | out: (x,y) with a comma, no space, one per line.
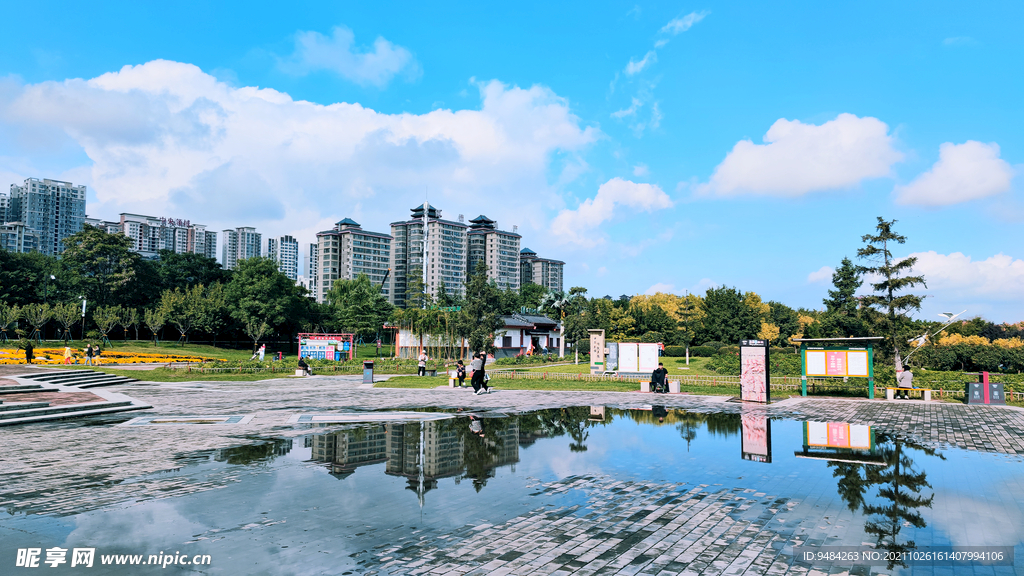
(54,398)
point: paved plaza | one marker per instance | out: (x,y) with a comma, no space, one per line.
(66,468)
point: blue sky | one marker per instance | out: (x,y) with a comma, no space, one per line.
(651,146)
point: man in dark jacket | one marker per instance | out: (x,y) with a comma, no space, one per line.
(658,383)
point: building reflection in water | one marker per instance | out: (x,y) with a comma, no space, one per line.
(862,460)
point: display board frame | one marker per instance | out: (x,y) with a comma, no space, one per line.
(330,343)
(755,372)
(832,353)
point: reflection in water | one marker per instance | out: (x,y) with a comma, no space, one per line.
(861,459)
(756,444)
(262,453)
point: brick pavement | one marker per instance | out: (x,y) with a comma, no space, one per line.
(69,468)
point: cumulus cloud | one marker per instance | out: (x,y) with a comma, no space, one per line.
(165,138)
(572,226)
(683,23)
(641,170)
(660,288)
(637,66)
(964,172)
(821,274)
(338,53)
(998,277)
(799,158)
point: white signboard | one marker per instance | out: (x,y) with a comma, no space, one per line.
(816,362)
(857,362)
(628,357)
(648,358)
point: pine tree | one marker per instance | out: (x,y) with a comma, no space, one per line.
(892,280)
(841,318)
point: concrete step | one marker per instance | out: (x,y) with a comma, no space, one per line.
(23,406)
(105,382)
(22,390)
(62,410)
(58,376)
(22,387)
(80,411)
(80,377)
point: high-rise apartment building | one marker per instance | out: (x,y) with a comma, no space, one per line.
(312,269)
(16,237)
(543,271)
(438,258)
(51,209)
(348,251)
(239,244)
(498,249)
(285,251)
(151,234)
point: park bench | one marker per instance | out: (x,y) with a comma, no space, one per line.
(891,392)
(673,386)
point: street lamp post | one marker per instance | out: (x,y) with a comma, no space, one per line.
(46,291)
(83,316)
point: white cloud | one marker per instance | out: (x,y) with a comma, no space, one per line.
(572,226)
(164,138)
(964,172)
(958,41)
(821,274)
(339,54)
(998,277)
(662,288)
(683,23)
(631,111)
(798,158)
(641,170)
(637,66)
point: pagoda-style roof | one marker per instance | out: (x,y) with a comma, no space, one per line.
(527,251)
(347,222)
(431,211)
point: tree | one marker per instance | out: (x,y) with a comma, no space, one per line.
(129,318)
(155,320)
(99,265)
(893,279)
(415,290)
(786,320)
(188,269)
(358,306)
(481,313)
(183,309)
(842,318)
(106,317)
(37,315)
(531,295)
(24,277)
(723,308)
(66,315)
(259,293)
(8,315)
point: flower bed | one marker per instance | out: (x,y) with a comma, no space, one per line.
(56,356)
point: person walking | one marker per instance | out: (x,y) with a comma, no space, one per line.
(479,376)
(460,373)
(421,370)
(96,355)
(67,354)
(88,355)
(29,352)
(263,351)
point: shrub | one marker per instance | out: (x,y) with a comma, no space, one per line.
(732,350)
(676,351)
(713,344)
(775,351)
(703,351)
(651,337)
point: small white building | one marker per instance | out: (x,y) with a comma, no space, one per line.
(521,334)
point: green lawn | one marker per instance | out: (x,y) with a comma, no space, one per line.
(672,364)
(550,384)
(147,347)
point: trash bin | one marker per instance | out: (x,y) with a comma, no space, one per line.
(367,371)
(985,392)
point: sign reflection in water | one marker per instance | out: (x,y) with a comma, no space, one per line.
(862,459)
(756,442)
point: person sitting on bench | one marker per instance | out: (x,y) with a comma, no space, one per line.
(658,383)
(905,381)
(304,367)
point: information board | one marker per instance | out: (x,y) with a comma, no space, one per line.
(629,357)
(836,363)
(754,376)
(648,357)
(838,435)
(596,351)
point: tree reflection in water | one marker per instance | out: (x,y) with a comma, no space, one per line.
(898,499)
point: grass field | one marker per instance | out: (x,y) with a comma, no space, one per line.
(672,364)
